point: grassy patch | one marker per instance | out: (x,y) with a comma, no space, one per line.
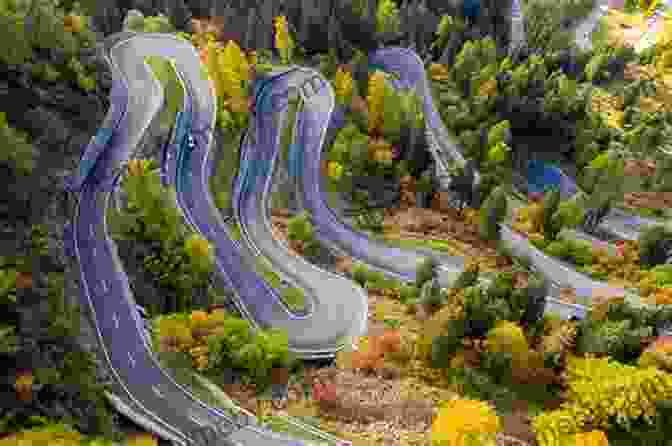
(182,371)
(165,73)
(293,297)
(437,245)
(281,424)
(234,231)
(221,184)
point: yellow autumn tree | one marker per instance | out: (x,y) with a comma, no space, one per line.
(343,86)
(375,100)
(234,69)
(283,41)
(229,70)
(200,252)
(138,167)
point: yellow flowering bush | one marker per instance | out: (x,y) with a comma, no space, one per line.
(610,389)
(283,41)
(375,100)
(343,86)
(603,391)
(466,422)
(558,426)
(592,438)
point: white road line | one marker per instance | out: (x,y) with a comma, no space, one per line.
(93,251)
(115,318)
(196,420)
(158,392)
(104,283)
(92,231)
(131,359)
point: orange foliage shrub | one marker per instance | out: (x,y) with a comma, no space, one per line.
(372,358)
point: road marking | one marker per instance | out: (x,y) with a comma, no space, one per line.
(92,231)
(158,392)
(131,359)
(93,251)
(196,420)
(104,283)
(115,318)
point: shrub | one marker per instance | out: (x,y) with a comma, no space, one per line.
(502,286)
(375,100)
(621,339)
(593,381)
(425,271)
(551,203)
(200,252)
(559,341)
(508,338)
(653,245)
(283,41)
(592,438)
(468,277)
(407,293)
(430,294)
(439,324)
(299,228)
(360,273)
(343,86)
(568,215)
(492,213)
(465,421)
(387,17)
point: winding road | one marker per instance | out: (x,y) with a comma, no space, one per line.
(338,307)
(147,392)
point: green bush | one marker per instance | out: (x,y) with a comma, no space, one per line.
(568,215)
(551,203)
(492,213)
(151,216)
(558,248)
(15,148)
(237,345)
(468,277)
(299,228)
(360,273)
(425,271)
(407,293)
(502,286)
(653,242)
